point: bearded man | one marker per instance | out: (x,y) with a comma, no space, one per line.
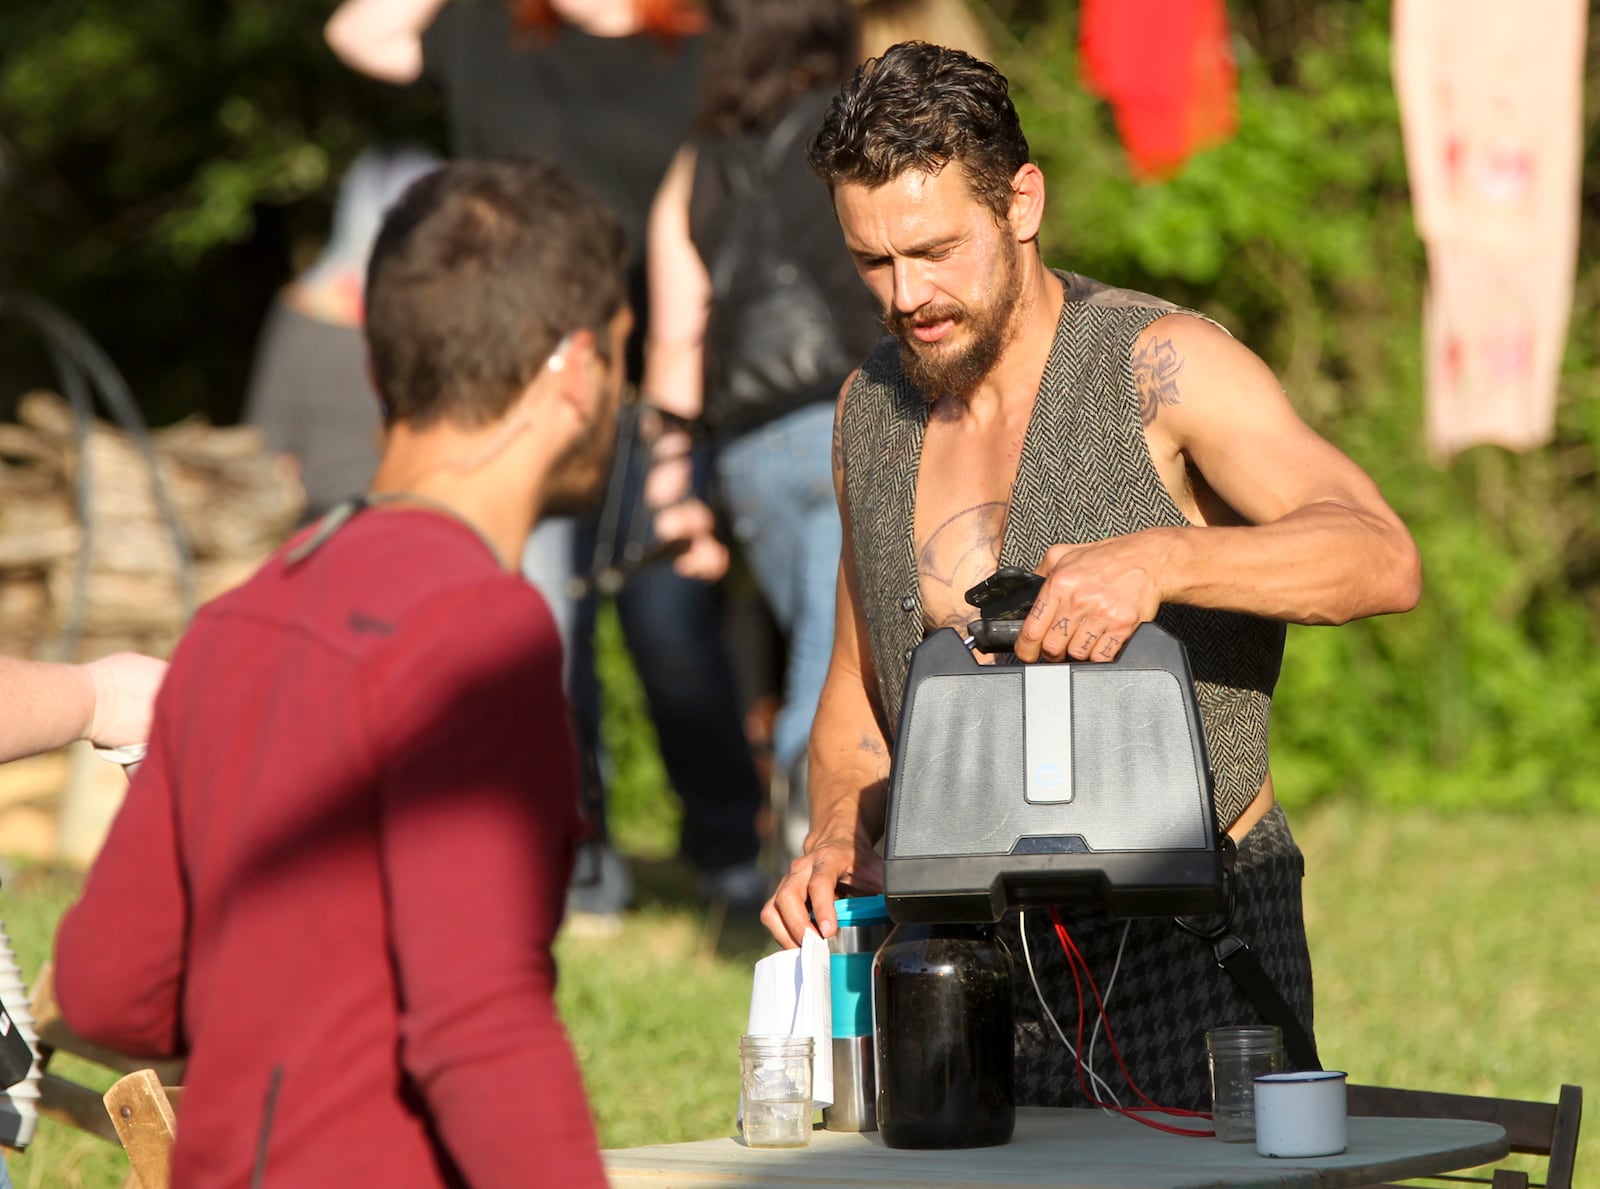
(1134,454)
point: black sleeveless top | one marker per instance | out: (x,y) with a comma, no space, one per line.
(1085,475)
(612,110)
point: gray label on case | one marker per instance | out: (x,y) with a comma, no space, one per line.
(1047,732)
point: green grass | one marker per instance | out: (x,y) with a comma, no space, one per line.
(1457,952)
(1454,953)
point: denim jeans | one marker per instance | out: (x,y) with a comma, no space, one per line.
(673,630)
(777,488)
(547,563)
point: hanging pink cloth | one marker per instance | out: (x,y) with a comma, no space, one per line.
(1167,70)
(1491,105)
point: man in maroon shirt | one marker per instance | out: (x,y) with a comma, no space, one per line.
(337,876)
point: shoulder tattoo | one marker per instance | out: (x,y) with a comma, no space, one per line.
(1155,377)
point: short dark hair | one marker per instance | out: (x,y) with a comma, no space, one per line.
(479,271)
(762,54)
(919,107)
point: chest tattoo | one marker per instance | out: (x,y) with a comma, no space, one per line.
(962,550)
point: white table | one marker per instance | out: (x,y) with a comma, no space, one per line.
(1068,1149)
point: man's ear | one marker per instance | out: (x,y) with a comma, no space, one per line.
(571,367)
(1027,203)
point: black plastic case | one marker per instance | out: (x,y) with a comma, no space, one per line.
(1053,783)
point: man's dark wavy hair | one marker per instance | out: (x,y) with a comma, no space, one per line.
(920,107)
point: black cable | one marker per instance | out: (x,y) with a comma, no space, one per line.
(70,380)
(624,543)
(83,370)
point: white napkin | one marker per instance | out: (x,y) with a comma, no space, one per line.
(792,995)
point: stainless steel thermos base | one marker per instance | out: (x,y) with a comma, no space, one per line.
(863,924)
(855,1093)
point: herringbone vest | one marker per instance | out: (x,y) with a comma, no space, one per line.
(1085,475)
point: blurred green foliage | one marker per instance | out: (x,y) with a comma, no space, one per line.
(167,164)
(642,818)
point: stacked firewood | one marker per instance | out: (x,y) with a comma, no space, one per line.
(225,495)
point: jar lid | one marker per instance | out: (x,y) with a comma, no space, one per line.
(1245,1038)
(861,910)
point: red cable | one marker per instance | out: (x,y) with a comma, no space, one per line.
(1075,959)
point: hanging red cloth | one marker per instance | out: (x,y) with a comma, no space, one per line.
(1167,70)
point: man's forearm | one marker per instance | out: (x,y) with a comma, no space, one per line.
(847,780)
(46,706)
(1326,563)
(846,806)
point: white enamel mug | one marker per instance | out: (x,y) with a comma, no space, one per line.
(1300,1114)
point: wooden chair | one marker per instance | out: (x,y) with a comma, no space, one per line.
(1534,1128)
(71,1103)
(141,1110)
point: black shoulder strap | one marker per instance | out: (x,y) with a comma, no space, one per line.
(783,133)
(1247,973)
(1242,965)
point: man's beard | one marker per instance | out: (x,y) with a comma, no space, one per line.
(938,370)
(579,479)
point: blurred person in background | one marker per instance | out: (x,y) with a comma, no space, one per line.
(310,394)
(337,877)
(609,89)
(45,705)
(941,22)
(764,62)
(715,260)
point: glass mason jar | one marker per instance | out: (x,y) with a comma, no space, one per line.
(1238,1056)
(775,1090)
(941,997)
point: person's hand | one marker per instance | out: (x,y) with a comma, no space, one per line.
(1093,598)
(125,686)
(813,882)
(704,557)
(671,476)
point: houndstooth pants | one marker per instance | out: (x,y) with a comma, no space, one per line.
(1169,988)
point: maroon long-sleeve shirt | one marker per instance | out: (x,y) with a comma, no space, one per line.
(337,876)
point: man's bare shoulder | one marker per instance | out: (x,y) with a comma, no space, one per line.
(1185,365)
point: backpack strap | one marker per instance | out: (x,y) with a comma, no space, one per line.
(801,116)
(749,184)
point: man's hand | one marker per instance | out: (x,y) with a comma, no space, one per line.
(125,686)
(812,884)
(1093,598)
